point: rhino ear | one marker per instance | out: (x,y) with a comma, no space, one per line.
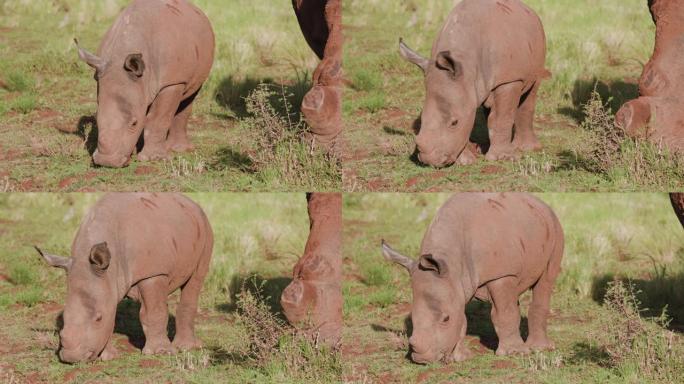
(90,58)
(134,64)
(100,257)
(447,63)
(429,263)
(392,255)
(412,56)
(54,260)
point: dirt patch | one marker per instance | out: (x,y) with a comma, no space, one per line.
(9,154)
(74,373)
(492,170)
(504,364)
(377,184)
(45,115)
(68,181)
(50,307)
(425,376)
(124,345)
(145,170)
(411,182)
(27,185)
(150,363)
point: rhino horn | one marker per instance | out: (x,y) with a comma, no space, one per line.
(412,56)
(89,58)
(54,260)
(392,255)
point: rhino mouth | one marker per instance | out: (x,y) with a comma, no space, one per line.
(76,356)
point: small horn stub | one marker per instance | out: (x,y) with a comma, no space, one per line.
(89,58)
(412,56)
(392,255)
(54,260)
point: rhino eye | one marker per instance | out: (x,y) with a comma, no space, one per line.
(98,317)
(445,319)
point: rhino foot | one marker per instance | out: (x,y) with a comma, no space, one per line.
(182,147)
(466,157)
(151,154)
(162,348)
(109,353)
(186,344)
(506,153)
(527,145)
(541,344)
(517,348)
(461,353)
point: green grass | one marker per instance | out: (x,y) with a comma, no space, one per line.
(255,234)
(48,99)
(624,236)
(591,45)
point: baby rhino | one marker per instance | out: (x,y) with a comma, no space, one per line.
(149,68)
(491,53)
(144,246)
(491,247)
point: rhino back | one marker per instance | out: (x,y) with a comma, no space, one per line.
(149,235)
(500,40)
(494,235)
(175,38)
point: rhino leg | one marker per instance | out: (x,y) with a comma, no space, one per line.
(154,314)
(506,99)
(178,133)
(506,315)
(538,314)
(313,300)
(524,138)
(109,352)
(159,121)
(185,338)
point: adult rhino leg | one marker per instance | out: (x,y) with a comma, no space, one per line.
(538,314)
(678,204)
(185,338)
(506,99)
(321,24)
(159,120)
(154,314)
(524,138)
(178,133)
(313,300)
(506,315)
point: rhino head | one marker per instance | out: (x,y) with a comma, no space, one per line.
(448,116)
(437,311)
(91,302)
(121,106)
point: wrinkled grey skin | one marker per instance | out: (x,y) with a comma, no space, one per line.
(149,67)
(491,53)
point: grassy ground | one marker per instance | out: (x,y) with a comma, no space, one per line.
(590,44)
(261,234)
(633,236)
(48,100)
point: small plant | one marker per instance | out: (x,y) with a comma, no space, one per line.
(182,167)
(608,151)
(636,346)
(280,153)
(541,361)
(279,349)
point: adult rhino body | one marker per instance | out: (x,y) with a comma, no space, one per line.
(491,53)
(490,247)
(144,246)
(149,67)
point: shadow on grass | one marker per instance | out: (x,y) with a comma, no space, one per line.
(614,92)
(664,291)
(86,129)
(228,157)
(127,323)
(479,325)
(231,92)
(584,353)
(269,289)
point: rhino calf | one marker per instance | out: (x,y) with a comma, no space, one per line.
(491,53)
(491,247)
(149,68)
(139,245)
